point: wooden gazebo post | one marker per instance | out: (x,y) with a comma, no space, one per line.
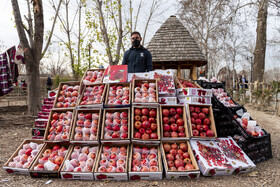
(193,73)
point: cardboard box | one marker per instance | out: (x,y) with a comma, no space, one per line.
(38,133)
(85,80)
(74,125)
(112,176)
(61,84)
(150,141)
(178,83)
(86,93)
(109,105)
(43,115)
(166,85)
(210,159)
(199,92)
(235,155)
(169,174)
(183,116)
(167,100)
(115,73)
(114,141)
(134,100)
(21,171)
(78,175)
(134,175)
(59,111)
(212,125)
(41,123)
(132,76)
(44,173)
(194,100)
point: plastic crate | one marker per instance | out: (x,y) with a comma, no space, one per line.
(210,85)
(258,149)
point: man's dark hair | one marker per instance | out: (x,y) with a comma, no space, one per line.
(136,32)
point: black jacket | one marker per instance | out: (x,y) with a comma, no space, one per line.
(138,60)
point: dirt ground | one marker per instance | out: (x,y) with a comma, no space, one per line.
(15,126)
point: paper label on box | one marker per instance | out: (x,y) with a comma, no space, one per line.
(167,100)
(132,76)
(194,92)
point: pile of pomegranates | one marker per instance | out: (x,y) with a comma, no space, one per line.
(144,159)
(116,124)
(118,95)
(173,123)
(86,128)
(113,159)
(93,95)
(68,96)
(93,76)
(200,121)
(145,92)
(177,157)
(145,123)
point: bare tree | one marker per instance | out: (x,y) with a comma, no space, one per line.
(34,44)
(259,54)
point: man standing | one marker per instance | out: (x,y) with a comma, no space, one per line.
(138,59)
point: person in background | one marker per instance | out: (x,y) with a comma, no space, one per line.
(49,83)
(138,59)
(245,82)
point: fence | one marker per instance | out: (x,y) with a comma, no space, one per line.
(261,95)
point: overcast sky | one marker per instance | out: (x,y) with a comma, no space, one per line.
(9,37)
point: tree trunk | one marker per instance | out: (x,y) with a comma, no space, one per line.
(34,54)
(259,54)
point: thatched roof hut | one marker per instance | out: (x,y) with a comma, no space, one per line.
(172,47)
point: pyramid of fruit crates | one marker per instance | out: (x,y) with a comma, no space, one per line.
(152,126)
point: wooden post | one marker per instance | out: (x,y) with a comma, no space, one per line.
(250,90)
(179,71)
(193,73)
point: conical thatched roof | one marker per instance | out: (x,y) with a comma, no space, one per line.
(172,45)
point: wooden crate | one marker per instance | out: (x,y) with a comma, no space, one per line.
(211,117)
(50,120)
(150,141)
(21,171)
(72,140)
(70,83)
(184,116)
(194,173)
(49,174)
(135,81)
(145,175)
(124,141)
(124,84)
(97,105)
(179,85)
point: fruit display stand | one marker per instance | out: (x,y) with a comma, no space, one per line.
(174,125)
(195,124)
(234,154)
(210,159)
(137,126)
(41,171)
(92,96)
(67,95)
(52,129)
(11,167)
(71,168)
(172,172)
(116,125)
(144,166)
(108,173)
(141,94)
(86,126)
(118,95)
